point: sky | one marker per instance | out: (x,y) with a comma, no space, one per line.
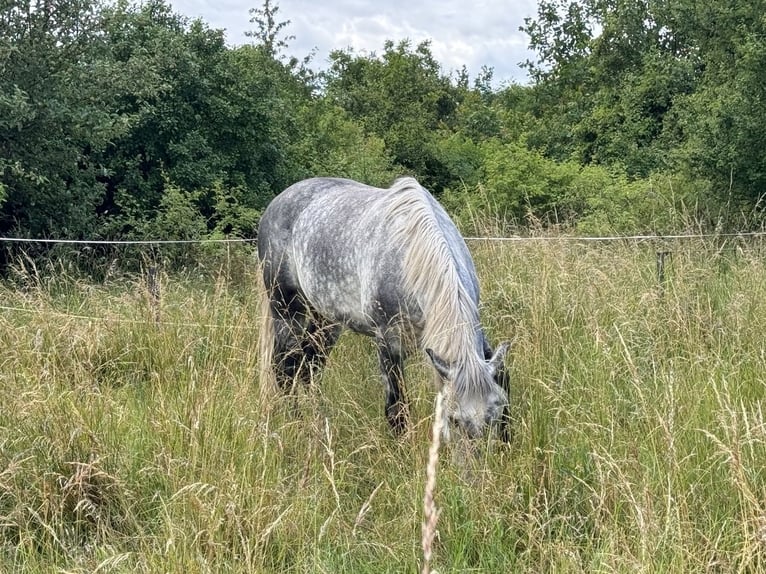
(462,32)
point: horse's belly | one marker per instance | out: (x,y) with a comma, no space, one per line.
(340,301)
(357,287)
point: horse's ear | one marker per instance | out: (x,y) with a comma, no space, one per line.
(497,358)
(442,367)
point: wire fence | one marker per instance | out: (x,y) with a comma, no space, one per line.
(123,242)
(113,319)
(488,238)
(607,238)
(152,281)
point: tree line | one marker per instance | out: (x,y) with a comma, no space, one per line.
(129,121)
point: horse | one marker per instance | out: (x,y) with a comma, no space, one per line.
(388,264)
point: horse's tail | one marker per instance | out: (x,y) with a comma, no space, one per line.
(266,336)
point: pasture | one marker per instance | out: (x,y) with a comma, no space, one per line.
(639,439)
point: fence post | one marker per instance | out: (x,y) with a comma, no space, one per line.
(153,286)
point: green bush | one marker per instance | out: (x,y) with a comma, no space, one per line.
(520,187)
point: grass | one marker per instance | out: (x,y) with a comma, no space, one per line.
(639,439)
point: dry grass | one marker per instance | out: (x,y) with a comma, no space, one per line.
(430,511)
(128,445)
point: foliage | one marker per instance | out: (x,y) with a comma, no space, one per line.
(520,188)
(50,117)
(114,115)
(400,97)
(334,145)
(267,32)
(655,85)
(106,105)
(215,117)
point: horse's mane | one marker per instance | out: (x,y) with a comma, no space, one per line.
(431,277)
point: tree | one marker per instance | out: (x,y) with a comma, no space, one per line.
(51,117)
(670,85)
(203,118)
(333,144)
(268,30)
(723,122)
(609,73)
(401,97)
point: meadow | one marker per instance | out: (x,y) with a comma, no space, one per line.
(135,437)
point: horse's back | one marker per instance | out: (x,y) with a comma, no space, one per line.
(275,232)
(313,232)
(339,244)
(285,208)
(329,240)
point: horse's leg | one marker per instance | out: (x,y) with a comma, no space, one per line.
(288,355)
(391,361)
(290,326)
(321,337)
(501,378)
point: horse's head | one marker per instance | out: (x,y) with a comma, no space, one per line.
(482,402)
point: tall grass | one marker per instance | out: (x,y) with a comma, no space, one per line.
(639,437)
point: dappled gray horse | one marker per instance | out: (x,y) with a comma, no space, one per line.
(385,263)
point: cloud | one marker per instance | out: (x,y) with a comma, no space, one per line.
(474,34)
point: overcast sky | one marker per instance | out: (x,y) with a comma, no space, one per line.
(462,32)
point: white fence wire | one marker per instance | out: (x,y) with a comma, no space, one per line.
(542,238)
(515,238)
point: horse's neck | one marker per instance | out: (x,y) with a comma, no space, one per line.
(452,327)
(433,276)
